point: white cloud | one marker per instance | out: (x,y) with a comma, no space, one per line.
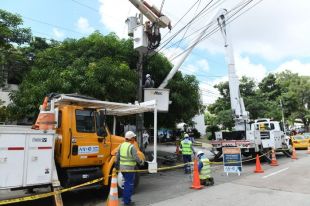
(244,67)
(58,34)
(273,30)
(83,26)
(295,66)
(208,92)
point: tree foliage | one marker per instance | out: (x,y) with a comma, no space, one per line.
(103,67)
(264,101)
(13,59)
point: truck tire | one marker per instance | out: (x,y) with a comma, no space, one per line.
(267,157)
(287,150)
(216,156)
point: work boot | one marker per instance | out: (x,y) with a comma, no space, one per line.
(207,183)
(211,180)
(130,204)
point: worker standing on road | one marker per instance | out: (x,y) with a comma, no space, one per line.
(145,137)
(204,169)
(127,159)
(187,151)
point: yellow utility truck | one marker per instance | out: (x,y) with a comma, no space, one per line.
(74,126)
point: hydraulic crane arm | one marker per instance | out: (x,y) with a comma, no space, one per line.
(188,51)
(152,13)
(240,115)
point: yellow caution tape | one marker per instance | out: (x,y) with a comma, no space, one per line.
(44,195)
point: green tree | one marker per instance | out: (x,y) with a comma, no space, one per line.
(12,60)
(295,96)
(103,67)
(222,108)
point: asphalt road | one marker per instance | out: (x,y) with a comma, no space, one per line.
(166,188)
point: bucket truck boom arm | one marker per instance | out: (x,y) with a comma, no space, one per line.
(188,51)
(237,105)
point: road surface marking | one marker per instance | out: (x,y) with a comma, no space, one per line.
(274,173)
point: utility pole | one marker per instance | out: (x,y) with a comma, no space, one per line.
(146,38)
(284,128)
(140,117)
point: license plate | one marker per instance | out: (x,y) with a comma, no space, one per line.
(228,144)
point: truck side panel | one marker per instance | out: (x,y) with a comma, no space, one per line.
(12,154)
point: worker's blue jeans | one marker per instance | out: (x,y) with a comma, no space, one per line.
(128,186)
(186,160)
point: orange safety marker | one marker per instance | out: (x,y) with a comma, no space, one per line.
(113,196)
(196,181)
(274,161)
(294,155)
(258,168)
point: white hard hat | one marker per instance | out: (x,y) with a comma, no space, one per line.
(147,76)
(186,136)
(129,135)
(200,153)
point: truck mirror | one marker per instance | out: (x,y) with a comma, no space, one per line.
(101,130)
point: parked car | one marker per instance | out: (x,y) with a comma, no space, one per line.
(307,135)
(300,141)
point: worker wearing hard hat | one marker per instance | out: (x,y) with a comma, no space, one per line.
(127,158)
(187,151)
(204,169)
(149,83)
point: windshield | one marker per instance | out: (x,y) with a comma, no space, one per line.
(299,137)
(307,135)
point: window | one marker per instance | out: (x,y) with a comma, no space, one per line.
(59,119)
(85,120)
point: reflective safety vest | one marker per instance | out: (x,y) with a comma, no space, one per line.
(126,157)
(205,171)
(186,147)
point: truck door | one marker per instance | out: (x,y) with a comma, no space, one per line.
(86,148)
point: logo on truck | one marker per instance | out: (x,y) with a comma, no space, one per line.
(37,139)
(88,149)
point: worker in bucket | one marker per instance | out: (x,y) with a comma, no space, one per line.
(187,151)
(204,169)
(126,160)
(149,83)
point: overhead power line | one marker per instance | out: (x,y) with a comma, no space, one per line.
(230,19)
(52,25)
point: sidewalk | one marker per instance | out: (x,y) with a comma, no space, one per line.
(285,185)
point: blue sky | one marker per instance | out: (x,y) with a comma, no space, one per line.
(270,37)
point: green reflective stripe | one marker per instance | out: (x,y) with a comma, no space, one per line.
(186,148)
(205,171)
(126,157)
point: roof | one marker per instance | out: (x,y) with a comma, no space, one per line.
(112,108)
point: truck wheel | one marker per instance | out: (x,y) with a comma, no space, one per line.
(121,180)
(217,156)
(287,150)
(267,157)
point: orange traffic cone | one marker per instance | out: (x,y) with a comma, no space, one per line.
(196,181)
(177,150)
(274,161)
(258,168)
(113,196)
(294,155)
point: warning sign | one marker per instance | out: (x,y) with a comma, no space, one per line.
(232,160)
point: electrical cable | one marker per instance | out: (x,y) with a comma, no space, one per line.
(229,20)
(53,25)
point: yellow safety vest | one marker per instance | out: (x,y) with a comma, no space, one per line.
(186,147)
(205,171)
(126,157)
